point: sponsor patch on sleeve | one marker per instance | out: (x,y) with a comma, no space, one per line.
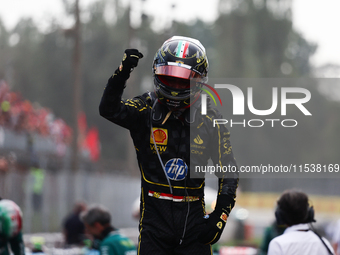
(224,217)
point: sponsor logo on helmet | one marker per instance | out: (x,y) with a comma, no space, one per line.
(176,169)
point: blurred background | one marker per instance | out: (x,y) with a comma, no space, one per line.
(55,59)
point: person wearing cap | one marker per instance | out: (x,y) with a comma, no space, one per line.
(172,137)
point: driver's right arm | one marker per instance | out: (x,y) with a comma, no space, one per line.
(126,113)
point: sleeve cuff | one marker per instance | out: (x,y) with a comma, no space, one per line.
(225,202)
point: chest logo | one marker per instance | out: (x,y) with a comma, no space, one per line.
(161,136)
(176,169)
(198,140)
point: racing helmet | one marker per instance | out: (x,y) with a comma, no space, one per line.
(10,218)
(180,67)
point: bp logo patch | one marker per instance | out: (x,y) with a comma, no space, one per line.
(176,169)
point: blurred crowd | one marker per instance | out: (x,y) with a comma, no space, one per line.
(20,115)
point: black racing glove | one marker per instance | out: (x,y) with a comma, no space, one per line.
(212,225)
(129,62)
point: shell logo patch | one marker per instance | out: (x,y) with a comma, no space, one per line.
(161,136)
(224,217)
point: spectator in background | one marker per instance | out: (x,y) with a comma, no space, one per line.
(97,221)
(73,227)
(20,115)
(293,210)
(10,228)
(38,175)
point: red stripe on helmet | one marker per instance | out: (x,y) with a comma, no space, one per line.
(186,46)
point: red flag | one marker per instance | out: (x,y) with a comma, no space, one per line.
(92,143)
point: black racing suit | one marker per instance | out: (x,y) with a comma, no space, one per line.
(164,216)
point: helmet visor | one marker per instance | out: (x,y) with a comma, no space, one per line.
(176,71)
(173,82)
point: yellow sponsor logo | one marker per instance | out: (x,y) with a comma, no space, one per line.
(226,146)
(156,194)
(190,199)
(227,151)
(160,148)
(196,152)
(198,140)
(174,93)
(219,224)
(197,146)
(160,135)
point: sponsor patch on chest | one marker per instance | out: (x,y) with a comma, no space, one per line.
(160,135)
(176,169)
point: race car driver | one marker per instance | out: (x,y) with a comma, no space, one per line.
(10,228)
(171,136)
